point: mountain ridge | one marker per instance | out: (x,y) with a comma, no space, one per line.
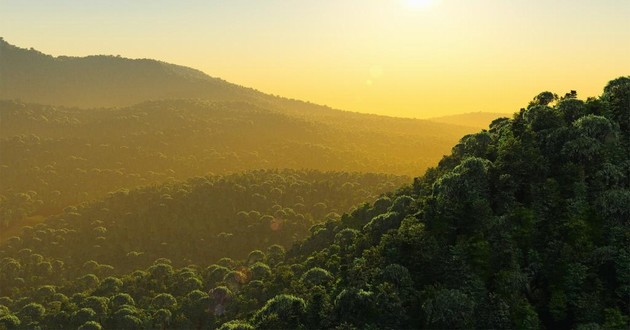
(477,119)
(104,80)
(36,86)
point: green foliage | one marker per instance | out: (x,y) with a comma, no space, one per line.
(523,226)
(103,151)
(121,299)
(164,301)
(10,322)
(83,316)
(281,312)
(543,99)
(449,309)
(236,325)
(32,312)
(90,325)
(316,276)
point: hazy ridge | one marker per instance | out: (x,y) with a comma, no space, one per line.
(148,121)
(478,120)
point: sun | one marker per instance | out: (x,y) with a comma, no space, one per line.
(419,4)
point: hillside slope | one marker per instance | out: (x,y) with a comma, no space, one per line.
(524,226)
(478,120)
(30,76)
(103,81)
(53,157)
(143,121)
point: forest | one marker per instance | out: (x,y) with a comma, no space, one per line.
(136,194)
(524,225)
(56,154)
(56,157)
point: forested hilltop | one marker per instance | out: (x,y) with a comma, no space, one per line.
(524,225)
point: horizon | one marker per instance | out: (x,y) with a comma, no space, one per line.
(397,58)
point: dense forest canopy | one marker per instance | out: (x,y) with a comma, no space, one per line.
(55,157)
(524,225)
(201,219)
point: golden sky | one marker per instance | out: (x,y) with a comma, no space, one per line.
(412,58)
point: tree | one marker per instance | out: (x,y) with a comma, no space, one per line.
(195,306)
(164,300)
(83,315)
(32,312)
(354,306)
(544,98)
(316,276)
(90,325)
(10,322)
(236,325)
(449,309)
(120,300)
(162,318)
(275,254)
(255,256)
(98,305)
(318,309)
(281,312)
(259,271)
(109,286)
(617,95)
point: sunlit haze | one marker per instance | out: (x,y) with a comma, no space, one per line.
(412,58)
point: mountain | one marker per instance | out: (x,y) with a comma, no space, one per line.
(53,157)
(112,81)
(103,81)
(524,225)
(478,120)
(74,129)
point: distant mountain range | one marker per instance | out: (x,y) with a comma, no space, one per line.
(75,128)
(478,119)
(100,81)
(114,81)
(104,81)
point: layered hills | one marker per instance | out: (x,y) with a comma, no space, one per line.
(523,225)
(158,197)
(74,129)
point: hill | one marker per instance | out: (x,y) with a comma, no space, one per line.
(106,81)
(103,81)
(113,81)
(524,225)
(53,157)
(213,218)
(107,123)
(478,120)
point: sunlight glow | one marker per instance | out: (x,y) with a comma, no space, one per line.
(419,4)
(391,57)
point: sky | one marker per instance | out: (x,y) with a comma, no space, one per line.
(410,58)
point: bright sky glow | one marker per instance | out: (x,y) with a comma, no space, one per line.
(418,4)
(415,58)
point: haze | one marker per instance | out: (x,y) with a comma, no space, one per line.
(402,58)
